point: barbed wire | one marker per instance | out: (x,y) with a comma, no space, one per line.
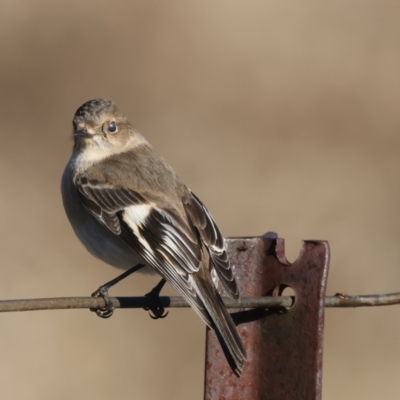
(63,303)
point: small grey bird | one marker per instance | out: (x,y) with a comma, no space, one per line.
(128,208)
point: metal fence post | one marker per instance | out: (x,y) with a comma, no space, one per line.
(284,347)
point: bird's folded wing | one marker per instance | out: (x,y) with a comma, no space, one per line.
(213,240)
(104,202)
(162,237)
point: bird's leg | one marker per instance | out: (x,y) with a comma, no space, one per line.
(157,309)
(102,291)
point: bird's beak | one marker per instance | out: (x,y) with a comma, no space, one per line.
(82,133)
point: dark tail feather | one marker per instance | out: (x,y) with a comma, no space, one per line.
(224,326)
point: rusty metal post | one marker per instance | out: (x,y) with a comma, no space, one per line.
(284,347)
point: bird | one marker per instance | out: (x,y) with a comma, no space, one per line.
(129,209)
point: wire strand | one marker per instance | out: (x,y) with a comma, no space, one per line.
(63,303)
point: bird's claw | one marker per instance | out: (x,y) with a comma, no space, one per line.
(157,310)
(108,310)
(157,313)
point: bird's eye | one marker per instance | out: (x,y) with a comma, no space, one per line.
(112,127)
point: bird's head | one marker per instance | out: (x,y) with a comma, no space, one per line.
(100,126)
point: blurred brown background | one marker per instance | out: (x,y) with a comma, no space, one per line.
(280,115)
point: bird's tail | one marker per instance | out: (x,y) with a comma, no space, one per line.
(222,323)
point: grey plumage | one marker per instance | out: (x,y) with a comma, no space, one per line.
(121,195)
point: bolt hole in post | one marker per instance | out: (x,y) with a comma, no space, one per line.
(285,291)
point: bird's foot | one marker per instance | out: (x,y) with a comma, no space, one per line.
(102,291)
(108,310)
(157,310)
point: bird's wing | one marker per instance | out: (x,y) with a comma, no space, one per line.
(161,236)
(104,201)
(213,240)
(168,243)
